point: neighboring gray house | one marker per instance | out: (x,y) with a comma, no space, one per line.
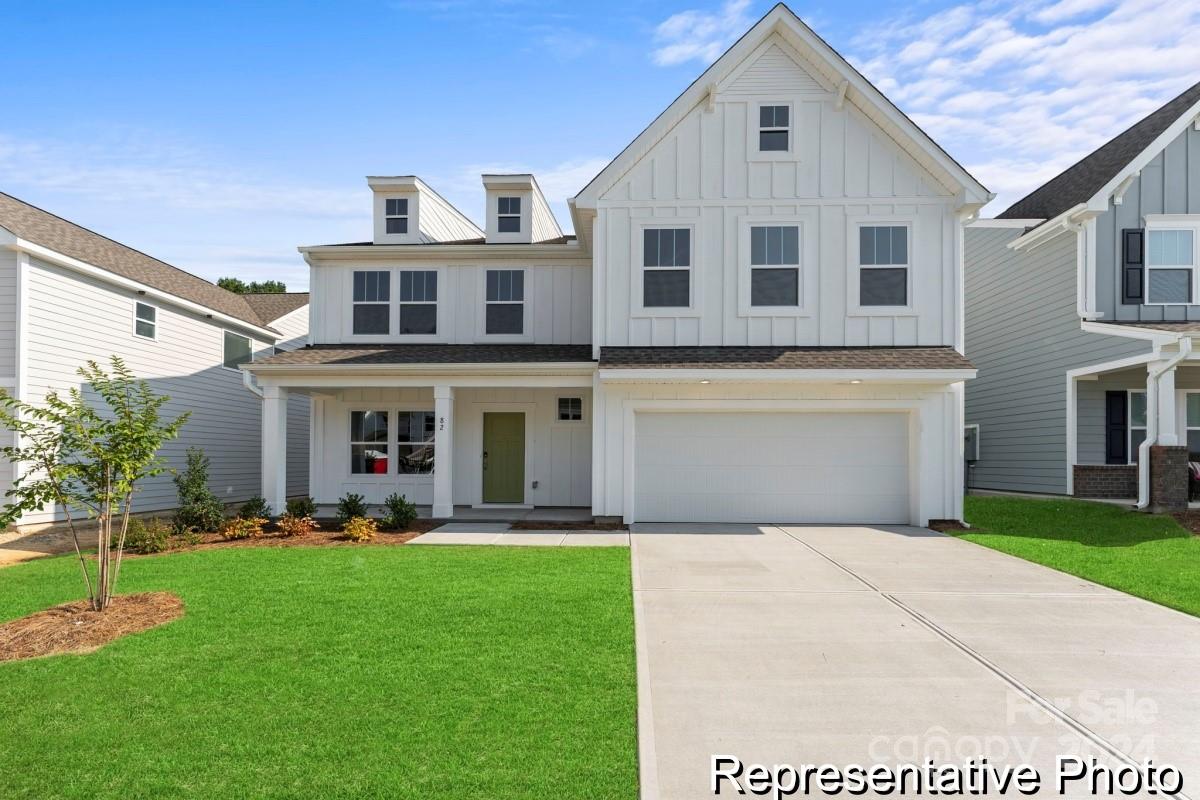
(68,295)
(1083,301)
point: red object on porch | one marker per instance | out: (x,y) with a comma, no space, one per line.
(379,466)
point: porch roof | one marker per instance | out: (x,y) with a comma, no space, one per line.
(803,358)
(337,355)
(1176,326)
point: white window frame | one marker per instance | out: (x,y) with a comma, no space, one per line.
(388,414)
(418,338)
(753,129)
(807,220)
(517,216)
(1183,416)
(137,304)
(636,253)
(393,476)
(583,410)
(978,444)
(526,334)
(1129,426)
(405,216)
(854,307)
(393,291)
(1173,222)
(226,332)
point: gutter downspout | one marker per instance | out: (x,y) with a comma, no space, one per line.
(248,382)
(1185,349)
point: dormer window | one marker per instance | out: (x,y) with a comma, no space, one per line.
(395,214)
(508,217)
(774,129)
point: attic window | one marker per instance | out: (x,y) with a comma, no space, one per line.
(395,214)
(508,215)
(774,128)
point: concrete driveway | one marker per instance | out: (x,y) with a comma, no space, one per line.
(844,645)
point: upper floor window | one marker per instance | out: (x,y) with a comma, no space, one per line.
(145,320)
(774,128)
(508,217)
(667,274)
(775,265)
(1170,266)
(237,350)
(505,312)
(883,265)
(395,214)
(418,302)
(372,295)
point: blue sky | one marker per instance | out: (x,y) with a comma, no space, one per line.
(219,136)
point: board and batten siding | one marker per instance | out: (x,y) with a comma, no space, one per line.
(1023,335)
(1169,184)
(558,303)
(705,173)
(73,318)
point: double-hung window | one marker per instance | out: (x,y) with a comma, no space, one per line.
(370,448)
(1171,266)
(237,350)
(775,265)
(774,129)
(883,264)
(505,301)
(414,442)
(372,302)
(418,302)
(667,268)
(1192,426)
(145,320)
(508,214)
(395,214)
(1137,423)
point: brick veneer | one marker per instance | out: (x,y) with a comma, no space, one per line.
(1108,481)
(1168,478)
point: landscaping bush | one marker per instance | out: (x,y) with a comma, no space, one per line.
(188,538)
(302,507)
(360,529)
(399,513)
(290,525)
(199,509)
(241,528)
(147,536)
(351,506)
(255,508)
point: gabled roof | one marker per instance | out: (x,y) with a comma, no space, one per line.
(835,68)
(40,227)
(270,306)
(1080,183)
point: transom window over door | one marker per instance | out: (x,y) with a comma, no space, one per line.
(505,312)
(418,302)
(666,273)
(508,217)
(369,444)
(883,263)
(372,300)
(774,128)
(395,214)
(1170,266)
(775,265)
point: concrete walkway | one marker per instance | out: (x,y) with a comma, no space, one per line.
(501,533)
(844,645)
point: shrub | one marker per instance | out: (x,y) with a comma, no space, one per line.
(399,512)
(360,529)
(255,508)
(147,536)
(199,509)
(189,538)
(302,507)
(351,506)
(290,525)
(241,528)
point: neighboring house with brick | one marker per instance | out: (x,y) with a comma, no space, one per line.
(69,295)
(1083,302)
(760,320)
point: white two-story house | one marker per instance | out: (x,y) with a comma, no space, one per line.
(760,320)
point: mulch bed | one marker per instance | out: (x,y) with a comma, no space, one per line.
(75,628)
(946,525)
(1189,520)
(328,535)
(539,525)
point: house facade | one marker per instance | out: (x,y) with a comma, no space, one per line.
(69,295)
(1082,307)
(759,319)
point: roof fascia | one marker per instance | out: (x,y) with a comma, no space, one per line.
(1052,227)
(438,252)
(718,375)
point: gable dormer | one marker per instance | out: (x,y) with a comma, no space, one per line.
(517,212)
(407,211)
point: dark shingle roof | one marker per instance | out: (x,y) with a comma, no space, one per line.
(41,227)
(782,358)
(270,306)
(1078,183)
(325,355)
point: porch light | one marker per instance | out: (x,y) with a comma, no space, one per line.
(856,381)
(705,382)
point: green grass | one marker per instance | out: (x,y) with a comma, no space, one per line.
(399,672)
(1147,555)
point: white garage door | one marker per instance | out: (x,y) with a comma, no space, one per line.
(771,467)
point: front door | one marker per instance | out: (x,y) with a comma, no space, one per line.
(504,457)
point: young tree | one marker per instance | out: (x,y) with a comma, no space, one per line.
(266,287)
(88,460)
(235,285)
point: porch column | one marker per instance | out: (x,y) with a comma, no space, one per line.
(274,447)
(1167,427)
(443,452)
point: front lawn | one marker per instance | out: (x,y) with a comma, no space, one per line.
(405,672)
(1146,555)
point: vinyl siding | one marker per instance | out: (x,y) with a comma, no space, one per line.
(1023,335)
(294,327)
(8,315)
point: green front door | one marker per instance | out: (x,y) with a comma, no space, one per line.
(504,457)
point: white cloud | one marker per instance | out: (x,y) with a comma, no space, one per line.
(700,35)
